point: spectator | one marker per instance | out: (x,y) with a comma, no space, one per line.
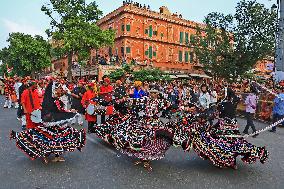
(77,95)
(278,109)
(250,102)
(138,91)
(106,92)
(1,87)
(204,98)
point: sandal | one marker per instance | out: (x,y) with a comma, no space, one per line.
(61,159)
(58,159)
(148,166)
(137,162)
(55,159)
(45,160)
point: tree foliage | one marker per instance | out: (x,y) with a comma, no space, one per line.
(117,74)
(74,29)
(230,45)
(150,75)
(26,54)
(140,75)
(3,70)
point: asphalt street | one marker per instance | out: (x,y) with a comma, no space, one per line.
(100,166)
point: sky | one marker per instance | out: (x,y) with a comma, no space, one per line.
(25,15)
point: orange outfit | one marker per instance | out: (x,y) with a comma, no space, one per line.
(30,99)
(86,100)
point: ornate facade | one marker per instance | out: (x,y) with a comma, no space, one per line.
(153,38)
(159,39)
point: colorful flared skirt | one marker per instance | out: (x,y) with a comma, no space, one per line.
(42,141)
(151,150)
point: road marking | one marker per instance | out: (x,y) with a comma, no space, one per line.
(114,152)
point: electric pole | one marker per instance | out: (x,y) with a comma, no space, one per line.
(279,64)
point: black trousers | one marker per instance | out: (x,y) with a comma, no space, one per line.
(250,123)
(276,117)
(210,115)
(103,119)
(90,126)
(20,111)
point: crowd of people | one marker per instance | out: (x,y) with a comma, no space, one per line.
(140,119)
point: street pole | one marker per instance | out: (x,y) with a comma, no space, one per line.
(279,65)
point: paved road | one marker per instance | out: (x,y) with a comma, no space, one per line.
(99,166)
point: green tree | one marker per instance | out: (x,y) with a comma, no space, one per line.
(4,57)
(140,75)
(26,54)
(230,45)
(2,70)
(150,75)
(74,29)
(117,74)
(127,69)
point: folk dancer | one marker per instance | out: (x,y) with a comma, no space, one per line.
(52,135)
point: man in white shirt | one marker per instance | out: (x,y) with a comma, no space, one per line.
(204,98)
